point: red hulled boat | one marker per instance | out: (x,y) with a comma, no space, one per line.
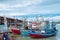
(42,35)
(36,36)
(15,31)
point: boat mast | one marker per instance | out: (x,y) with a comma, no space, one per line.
(50,24)
(53,24)
(23,18)
(15,21)
(43,27)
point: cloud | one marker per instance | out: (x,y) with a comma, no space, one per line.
(34,10)
(49,9)
(5,7)
(17,3)
(29,7)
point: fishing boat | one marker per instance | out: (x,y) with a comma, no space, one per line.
(48,31)
(14,28)
(42,35)
(27,27)
(25,30)
(22,31)
(15,31)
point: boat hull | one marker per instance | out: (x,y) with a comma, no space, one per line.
(33,35)
(36,36)
(15,31)
(24,32)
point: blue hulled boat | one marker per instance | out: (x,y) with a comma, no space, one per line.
(46,33)
(42,35)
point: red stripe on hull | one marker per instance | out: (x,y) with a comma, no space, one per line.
(14,31)
(36,36)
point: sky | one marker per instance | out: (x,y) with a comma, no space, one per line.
(47,8)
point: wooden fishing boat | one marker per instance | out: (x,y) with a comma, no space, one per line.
(14,27)
(42,35)
(15,31)
(49,31)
